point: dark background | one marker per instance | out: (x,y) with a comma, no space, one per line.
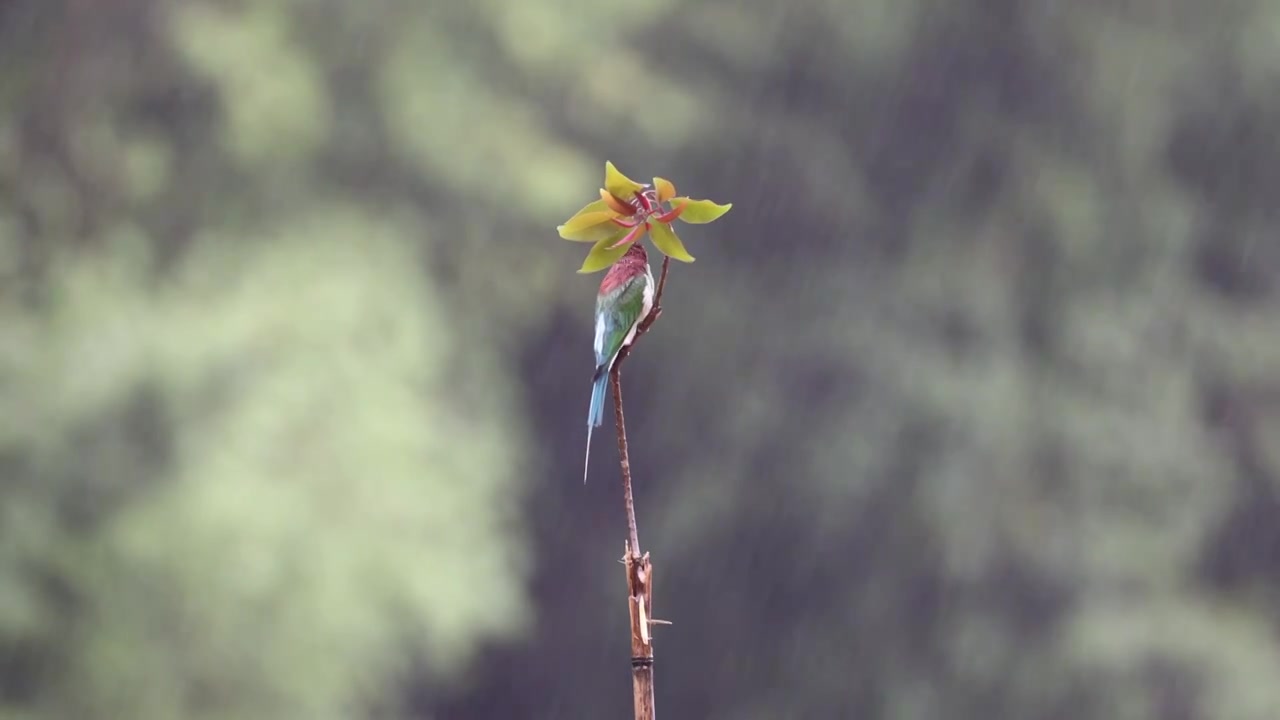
(970,407)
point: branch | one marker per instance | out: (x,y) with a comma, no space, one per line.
(639,569)
(639,573)
(633,536)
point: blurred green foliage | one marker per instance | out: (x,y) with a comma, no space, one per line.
(971,407)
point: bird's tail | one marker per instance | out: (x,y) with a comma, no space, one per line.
(595,414)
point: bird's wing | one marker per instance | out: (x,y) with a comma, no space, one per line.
(616,317)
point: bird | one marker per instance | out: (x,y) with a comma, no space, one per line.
(624,300)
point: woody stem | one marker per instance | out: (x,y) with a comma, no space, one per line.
(639,568)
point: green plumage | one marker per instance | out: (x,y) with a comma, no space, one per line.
(624,299)
(617,313)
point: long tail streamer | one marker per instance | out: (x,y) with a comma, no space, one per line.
(595,415)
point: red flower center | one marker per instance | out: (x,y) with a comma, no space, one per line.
(644,206)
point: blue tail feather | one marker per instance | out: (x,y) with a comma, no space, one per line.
(595,415)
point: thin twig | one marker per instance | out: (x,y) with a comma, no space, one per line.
(639,569)
(615,380)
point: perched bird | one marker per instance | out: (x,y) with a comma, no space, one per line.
(625,298)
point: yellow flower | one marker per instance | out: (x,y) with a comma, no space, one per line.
(627,210)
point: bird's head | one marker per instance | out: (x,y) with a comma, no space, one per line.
(636,253)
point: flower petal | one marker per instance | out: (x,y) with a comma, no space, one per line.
(602,256)
(615,203)
(622,187)
(671,214)
(698,212)
(591,228)
(636,233)
(589,224)
(664,236)
(666,189)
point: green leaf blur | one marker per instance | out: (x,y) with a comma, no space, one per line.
(969,409)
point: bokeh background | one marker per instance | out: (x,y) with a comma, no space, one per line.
(970,407)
